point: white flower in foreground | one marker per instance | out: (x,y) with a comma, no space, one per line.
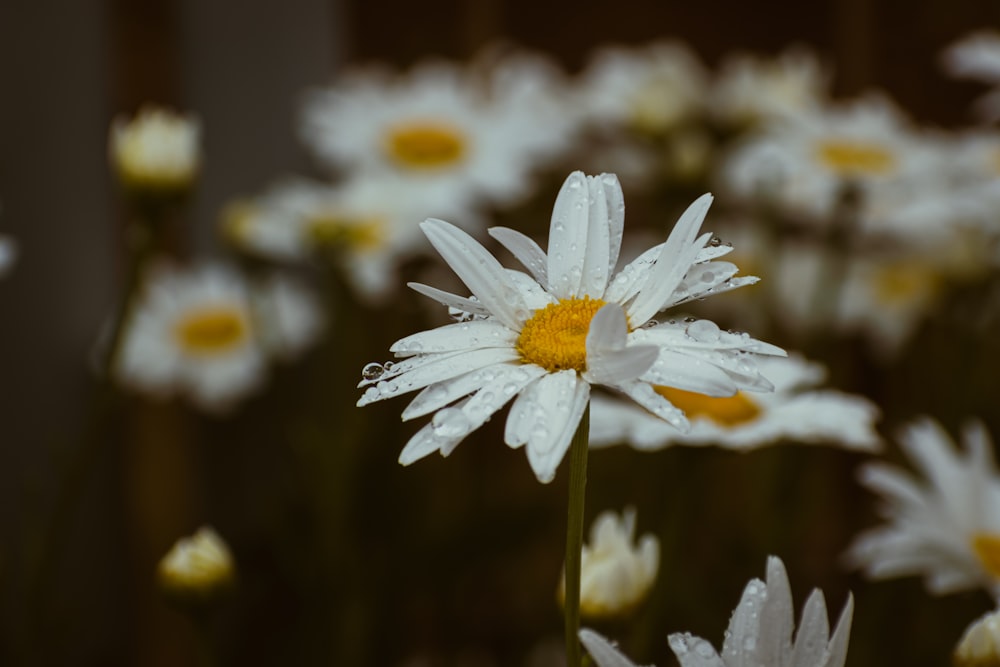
(197,567)
(8,254)
(433,128)
(980,645)
(367,226)
(206,333)
(946,529)
(615,574)
(157,151)
(602,651)
(796,411)
(545,336)
(760,630)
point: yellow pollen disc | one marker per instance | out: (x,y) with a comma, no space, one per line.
(849,158)
(425,145)
(342,231)
(987,548)
(211,330)
(726,411)
(905,282)
(555,337)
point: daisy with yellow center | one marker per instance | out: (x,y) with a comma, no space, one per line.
(796,411)
(207,333)
(541,338)
(946,527)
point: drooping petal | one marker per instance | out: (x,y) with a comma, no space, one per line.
(568,236)
(562,397)
(672,369)
(513,377)
(525,250)
(643,394)
(609,361)
(458,336)
(478,269)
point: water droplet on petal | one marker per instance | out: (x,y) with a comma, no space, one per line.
(450,423)
(704,331)
(715,242)
(372,371)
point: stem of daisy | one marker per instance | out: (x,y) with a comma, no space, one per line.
(574,536)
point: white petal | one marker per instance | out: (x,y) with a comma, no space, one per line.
(444,367)
(740,644)
(601,650)
(514,377)
(841,636)
(679,252)
(525,250)
(608,329)
(561,399)
(690,373)
(598,244)
(616,217)
(521,415)
(478,269)
(777,616)
(459,336)
(609,361)
(627,282)
(568,236)
(643,394)
(448,299)
(694,651)
(727,286)
(813,633)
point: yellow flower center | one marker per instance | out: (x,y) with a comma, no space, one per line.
(555,337)
(903,282)
(344,231)
(987,548)
(211,330)
(726,411)
(425,145)
(849,158)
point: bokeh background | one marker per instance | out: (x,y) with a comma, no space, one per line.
(345,557)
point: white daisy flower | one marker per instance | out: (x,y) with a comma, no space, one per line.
(760,630)
(947,528)
(615,573)
(796,411)
(434,128)
(366,225)
(652,89)
(8,254)
(750,89)
(803,163)
(157,151)
(980,644)
(545,336)
(202,332)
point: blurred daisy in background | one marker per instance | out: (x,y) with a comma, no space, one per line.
(748,89)
(980,644)
(544,338)
(945,527)
(760,630)
(365,226)
(437,128)
(201,332)
(8,254)
(197,568)
(804,163)
(652,89)
(616,573)
(156,152)
(796,411)
(977,56)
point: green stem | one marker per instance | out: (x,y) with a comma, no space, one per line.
(574,536)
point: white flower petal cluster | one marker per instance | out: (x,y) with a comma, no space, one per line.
(944,527)
(438,129)
(158,150)
(197,566)
(760,630)
(543,337)
(616,574)
(207,333)
(795,411)
(759,634)
(977,56)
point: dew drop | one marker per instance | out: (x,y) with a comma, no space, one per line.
(704,331)
(689,320)
(650,324)
(387,366)
(372,371)
(715,242)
